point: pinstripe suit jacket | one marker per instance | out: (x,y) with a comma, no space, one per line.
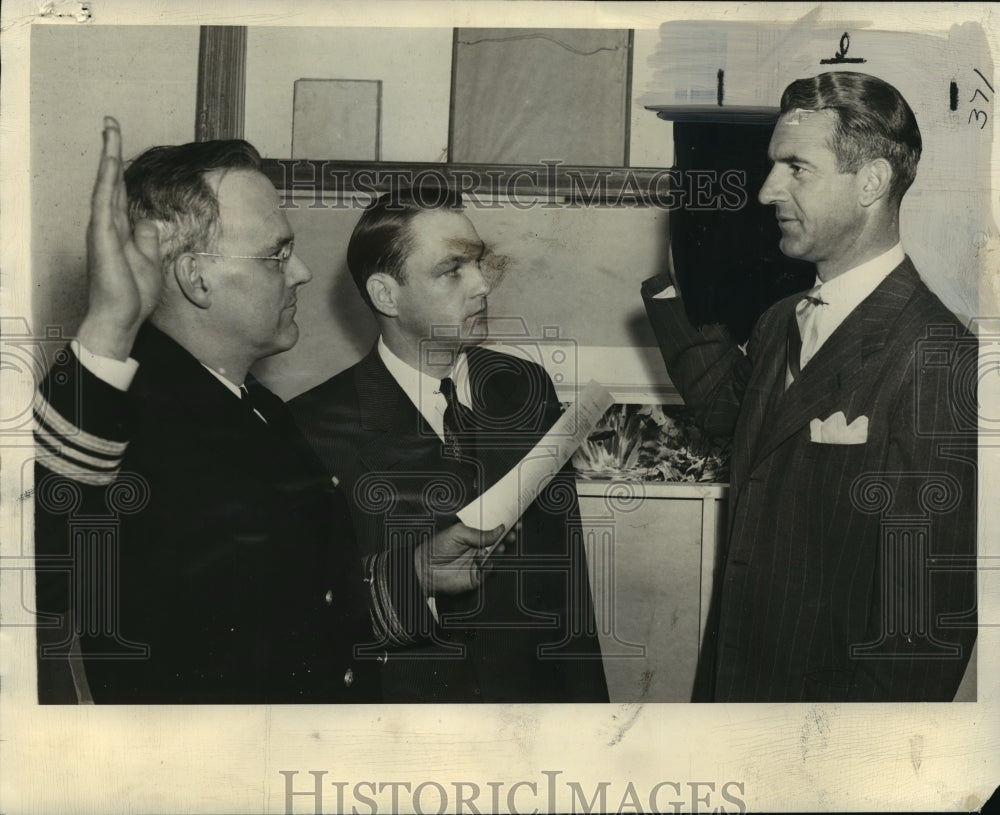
(848,570)
(528,634)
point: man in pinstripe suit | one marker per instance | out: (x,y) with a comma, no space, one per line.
(848,572)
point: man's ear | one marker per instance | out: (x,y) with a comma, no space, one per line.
(876,179)
(383,291)
(191,281)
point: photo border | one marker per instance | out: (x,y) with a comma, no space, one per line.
(232,758)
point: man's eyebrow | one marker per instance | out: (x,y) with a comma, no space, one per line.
(277,245)
(793,158)
(463,249)
(451,260)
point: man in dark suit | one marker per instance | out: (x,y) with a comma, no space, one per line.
(848,573)
(188,541)
(426,422)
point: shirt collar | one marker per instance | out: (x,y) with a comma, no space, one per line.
(422,389)
(235,389)
(847,290)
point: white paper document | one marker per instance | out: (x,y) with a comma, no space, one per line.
(505,501)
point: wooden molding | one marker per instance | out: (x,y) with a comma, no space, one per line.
(222,59)
(576,185)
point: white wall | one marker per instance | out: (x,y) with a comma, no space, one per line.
(415,68)
(651,141)
(945,219)
(145,76)
(414,65)
(576,269)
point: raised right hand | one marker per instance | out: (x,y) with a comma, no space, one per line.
(124,273)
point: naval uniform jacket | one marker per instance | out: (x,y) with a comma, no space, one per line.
(199,554)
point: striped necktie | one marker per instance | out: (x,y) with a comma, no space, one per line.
(458,420)
(803,333)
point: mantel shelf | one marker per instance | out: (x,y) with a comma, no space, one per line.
(685,490)
(722,114)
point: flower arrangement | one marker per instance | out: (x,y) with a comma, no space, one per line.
(652,443)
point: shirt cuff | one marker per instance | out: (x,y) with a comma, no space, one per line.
(669,293)
(114,372)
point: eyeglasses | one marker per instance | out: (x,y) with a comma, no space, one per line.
(282,258)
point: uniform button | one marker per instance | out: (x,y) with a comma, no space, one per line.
(382,659)
(335,481)
(348,678)
(329,597)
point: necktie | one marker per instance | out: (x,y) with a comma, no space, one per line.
(458,425)
(803,333)
(247,401)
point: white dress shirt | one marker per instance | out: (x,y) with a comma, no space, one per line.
(233,389)
(841,296)
(425,391)
(114,372)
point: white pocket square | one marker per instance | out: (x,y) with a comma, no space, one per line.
(836,430)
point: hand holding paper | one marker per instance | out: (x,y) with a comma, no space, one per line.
(453,561)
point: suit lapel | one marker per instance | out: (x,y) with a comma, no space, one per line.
(281,438)
(764,389)
(508,406)
(399,433)
(181,378)
(398,429)
(274,449)
(841,365)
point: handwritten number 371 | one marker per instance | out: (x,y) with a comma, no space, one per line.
(976,113)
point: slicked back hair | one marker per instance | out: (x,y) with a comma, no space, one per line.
(168,185)
(382,239)
(873,121)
